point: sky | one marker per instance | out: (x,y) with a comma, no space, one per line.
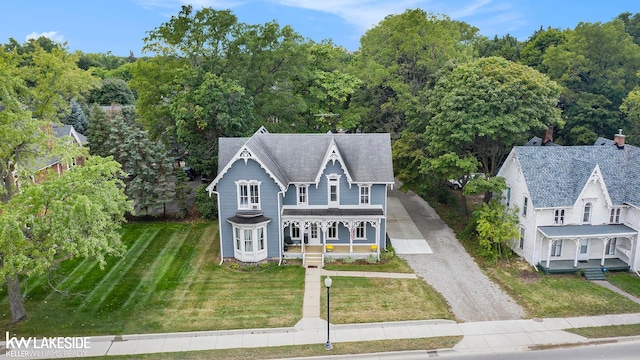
(118,26)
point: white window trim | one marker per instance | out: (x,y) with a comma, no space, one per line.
(363,226)
(521,238)
(586,215)
(525,206)
(610,247)
(614,216)
(330,178)
(293,226)
(335,226)
(556,244)
(256,254)
(306,194)
(508,196)
(558,216)
(250,205)
(368,195)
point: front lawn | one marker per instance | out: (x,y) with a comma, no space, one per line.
(626,281)
(558,295)
(169,280)
(363,300)
(389,262)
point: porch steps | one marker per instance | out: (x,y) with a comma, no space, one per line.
(313,260)
(594,274)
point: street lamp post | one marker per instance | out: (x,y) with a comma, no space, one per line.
(327,283)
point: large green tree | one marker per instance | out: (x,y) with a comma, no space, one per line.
(39,222)
(398,58)
(597,65)
(479,110)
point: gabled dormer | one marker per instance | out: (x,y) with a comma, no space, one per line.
(332,155)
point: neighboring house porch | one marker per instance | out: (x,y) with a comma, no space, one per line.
(571,248)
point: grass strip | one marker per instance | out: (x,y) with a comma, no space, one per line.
(598,332)
(279,352)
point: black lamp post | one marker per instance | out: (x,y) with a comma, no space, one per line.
(327,283)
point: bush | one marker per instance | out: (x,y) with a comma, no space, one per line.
(206,206)
(329,260)
(371,259)
(349,260)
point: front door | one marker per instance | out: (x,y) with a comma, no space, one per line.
(314,235)
(583,252)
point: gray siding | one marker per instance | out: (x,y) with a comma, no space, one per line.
(227,190)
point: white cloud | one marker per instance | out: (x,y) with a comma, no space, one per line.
(53,35)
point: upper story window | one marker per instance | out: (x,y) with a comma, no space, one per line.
(248,195)
(333,190)
(364,194)
(303,197)
(525,206)
(558,217)
(508,196)
(614,218)
(586,215)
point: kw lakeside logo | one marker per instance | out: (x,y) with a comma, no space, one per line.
(47,347)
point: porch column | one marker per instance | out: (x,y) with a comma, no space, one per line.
(549,252)
(575,259)
(352,234)
(604,249)
(378,242)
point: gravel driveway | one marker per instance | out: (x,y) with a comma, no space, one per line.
(450,269)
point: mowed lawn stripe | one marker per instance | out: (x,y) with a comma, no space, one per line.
(123,288)
(149,282)
(100,288)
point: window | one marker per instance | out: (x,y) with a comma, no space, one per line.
(586,215)
(556,248)
(614,218)
(364,194)
(521,242)
(558,216)
(295,231)
(361,230)
(611,246)
(313,231)
(332,231)
(333,190)
(525,205)
(302,194)
(250,242)
(248,195)
(508,196)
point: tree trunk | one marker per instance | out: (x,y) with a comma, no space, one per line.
(18,312)
(488,195)
(463,205)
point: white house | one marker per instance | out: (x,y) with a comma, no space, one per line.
(579,206)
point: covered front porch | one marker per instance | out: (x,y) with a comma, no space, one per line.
(574,248)
(567,266)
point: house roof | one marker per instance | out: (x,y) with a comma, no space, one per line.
(59,132)
(297,158)
(556,175)
(586,231)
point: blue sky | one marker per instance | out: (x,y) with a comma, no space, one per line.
(119,25)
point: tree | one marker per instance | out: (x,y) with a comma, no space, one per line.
(397,60)
(496,226)
(479,110)
(77,118)
(151,180)
(597,65)
(536,46)
(507,47)
(39,222)
(112,91)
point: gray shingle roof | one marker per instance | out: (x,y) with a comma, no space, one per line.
(299,157)
(556,175)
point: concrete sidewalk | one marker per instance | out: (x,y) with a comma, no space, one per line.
(479,337)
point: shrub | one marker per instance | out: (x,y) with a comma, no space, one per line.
(371,259)
(329,260)
(234,266)
(349,260)
(207,206)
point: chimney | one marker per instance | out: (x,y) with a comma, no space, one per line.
(548,136)
(618,139)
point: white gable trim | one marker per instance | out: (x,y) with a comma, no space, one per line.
(333,155)
(596,176)
(244,154)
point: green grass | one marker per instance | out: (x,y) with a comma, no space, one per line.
(394,264)
(598,332)
(559,295)
(280,352)
(168,280)
(628,282)
(363,300)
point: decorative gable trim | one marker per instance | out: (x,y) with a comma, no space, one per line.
(596,176)
(333,155)
(245,154)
